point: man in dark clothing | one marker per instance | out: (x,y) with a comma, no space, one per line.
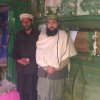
(24,52)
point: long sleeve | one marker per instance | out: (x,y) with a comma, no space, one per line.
(15,51)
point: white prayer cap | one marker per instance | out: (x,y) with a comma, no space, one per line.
(25,15)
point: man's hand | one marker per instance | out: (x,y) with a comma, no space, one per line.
(51,70)
(23,61)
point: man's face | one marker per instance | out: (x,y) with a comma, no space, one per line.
(52,24)
(52,27)
(26,23)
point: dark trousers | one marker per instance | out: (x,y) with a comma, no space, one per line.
(26,86)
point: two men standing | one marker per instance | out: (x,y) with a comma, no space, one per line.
(49,55)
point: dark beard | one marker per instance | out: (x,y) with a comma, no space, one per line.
(51,33)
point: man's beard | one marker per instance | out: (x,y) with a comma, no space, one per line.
(51,32)
(27,28)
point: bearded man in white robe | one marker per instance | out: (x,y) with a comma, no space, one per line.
(54,49)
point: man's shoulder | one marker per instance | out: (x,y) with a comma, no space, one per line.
(63,33)
(19,34)
(36,32)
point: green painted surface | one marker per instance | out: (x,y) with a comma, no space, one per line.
(84,80)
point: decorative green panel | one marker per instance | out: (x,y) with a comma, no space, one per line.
(84,81)
(11,65)
(92,84)
(68,94)
(91,5)
(61,7)
(72,13)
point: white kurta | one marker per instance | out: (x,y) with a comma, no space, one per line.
(52,50)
